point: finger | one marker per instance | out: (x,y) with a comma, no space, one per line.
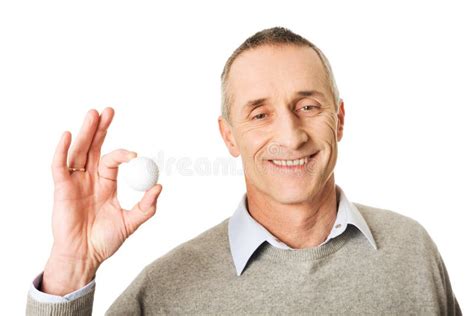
(93,155)
(78,155)
(59,167)
(109,163)
(143,210)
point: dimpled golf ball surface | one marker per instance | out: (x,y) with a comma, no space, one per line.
(141,173)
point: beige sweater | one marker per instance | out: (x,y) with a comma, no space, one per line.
(406,275)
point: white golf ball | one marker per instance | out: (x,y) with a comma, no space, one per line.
(141,173)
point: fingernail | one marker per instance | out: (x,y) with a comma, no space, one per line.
(154,189)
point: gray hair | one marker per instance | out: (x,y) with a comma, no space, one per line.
(272,36)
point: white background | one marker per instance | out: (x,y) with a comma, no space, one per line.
(404,69)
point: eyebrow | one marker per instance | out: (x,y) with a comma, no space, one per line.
(252,104)
(310,93)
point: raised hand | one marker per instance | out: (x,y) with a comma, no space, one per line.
(88,223)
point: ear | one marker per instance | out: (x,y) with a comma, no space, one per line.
(228,136)
(340,120)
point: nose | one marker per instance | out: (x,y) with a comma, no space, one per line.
(289,131)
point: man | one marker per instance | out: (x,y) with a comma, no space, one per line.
(294,245)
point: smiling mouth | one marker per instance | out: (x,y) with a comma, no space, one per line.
(293,163)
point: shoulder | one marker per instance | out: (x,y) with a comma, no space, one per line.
(181,268)
(381,216)
(407,249)
(392,229)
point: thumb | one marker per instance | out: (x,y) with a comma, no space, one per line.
(143,210)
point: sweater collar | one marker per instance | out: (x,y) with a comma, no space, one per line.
(246,234)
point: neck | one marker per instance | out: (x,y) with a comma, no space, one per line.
(302,225)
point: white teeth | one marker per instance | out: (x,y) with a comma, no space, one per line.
(297,162)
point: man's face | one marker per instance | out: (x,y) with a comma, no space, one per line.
(295,118)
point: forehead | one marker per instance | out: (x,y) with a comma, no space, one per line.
(276,71)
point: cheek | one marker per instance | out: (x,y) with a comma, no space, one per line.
(325,129)
(251,142)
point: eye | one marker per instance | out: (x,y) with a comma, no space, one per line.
(258,116)
(308,108)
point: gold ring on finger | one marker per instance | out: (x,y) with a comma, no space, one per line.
(76,169)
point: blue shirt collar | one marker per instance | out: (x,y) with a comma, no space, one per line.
(246,234)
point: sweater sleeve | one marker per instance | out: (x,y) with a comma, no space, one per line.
(42,297)
(76,303)
(448,302)
(452,306)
